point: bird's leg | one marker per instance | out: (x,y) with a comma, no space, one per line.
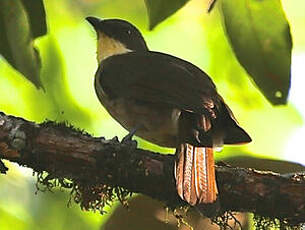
(128,138)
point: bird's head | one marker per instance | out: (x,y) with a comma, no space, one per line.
(116,36)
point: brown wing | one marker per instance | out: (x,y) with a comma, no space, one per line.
(157,77)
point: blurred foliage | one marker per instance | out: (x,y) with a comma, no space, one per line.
(259,34)
(260,37)
(158,10)
(149,214)
(36,16)
(20,24)
(68,65)
(21,208)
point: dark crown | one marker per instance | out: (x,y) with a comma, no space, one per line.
(120,30)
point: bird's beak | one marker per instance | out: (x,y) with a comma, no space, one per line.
(95,22)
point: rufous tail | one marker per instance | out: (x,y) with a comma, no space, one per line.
(195,174)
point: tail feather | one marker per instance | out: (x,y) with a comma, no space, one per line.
(201,172)
(187,174)
(195,174)
(210,178)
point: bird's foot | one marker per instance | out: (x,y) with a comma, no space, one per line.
(127,140)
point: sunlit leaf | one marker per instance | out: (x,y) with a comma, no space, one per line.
(260,37)
(20,24)
(159,10)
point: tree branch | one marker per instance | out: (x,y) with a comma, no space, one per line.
(64,152)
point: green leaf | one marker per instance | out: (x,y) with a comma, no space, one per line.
(159,10)
(20,24)
(37,17)
(259,34)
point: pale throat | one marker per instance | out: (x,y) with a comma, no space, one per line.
(107,47)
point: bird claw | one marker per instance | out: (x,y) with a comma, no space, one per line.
(127,140)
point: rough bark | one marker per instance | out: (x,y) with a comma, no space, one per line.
(64,152)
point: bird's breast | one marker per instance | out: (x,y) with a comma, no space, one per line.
(157,123)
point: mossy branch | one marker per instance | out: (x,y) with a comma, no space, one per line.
(97,167)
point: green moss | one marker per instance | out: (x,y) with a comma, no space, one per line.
(89,196)
(266,223)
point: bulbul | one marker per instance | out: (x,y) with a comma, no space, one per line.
(167,101)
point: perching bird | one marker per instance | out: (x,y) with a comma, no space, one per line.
(167,101)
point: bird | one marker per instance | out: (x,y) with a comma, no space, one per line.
(167,101)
